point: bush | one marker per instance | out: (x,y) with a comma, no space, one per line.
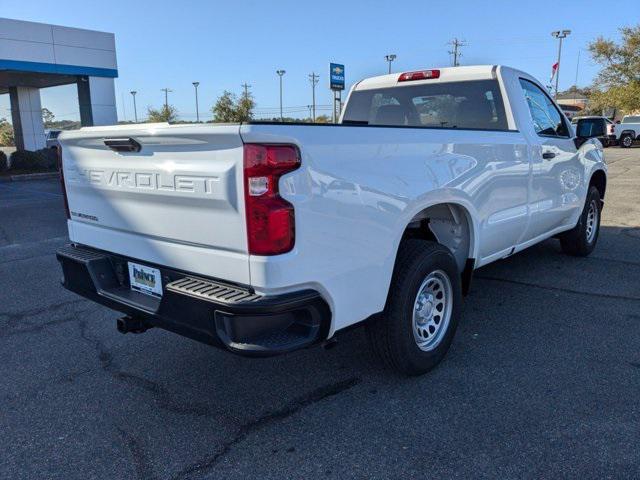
(40,160)
(4,161)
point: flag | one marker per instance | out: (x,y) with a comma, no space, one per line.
(554,70)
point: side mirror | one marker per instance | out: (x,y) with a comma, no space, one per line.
(589,128)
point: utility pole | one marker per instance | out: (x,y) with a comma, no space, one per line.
(457,45)
(166,97)
(135,110)
(313,78)
(246,88)
(575,91)
(390,58)
(560,35)
(280,73)
(195,86)
(309,107)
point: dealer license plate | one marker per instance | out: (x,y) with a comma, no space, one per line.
(145,279)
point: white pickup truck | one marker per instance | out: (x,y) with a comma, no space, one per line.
(628,131)
(263,238)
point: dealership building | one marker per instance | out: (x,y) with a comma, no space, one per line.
(37,55)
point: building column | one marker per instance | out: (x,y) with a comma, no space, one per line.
(97,100)
(26,116)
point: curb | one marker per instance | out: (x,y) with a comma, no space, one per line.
(32,176)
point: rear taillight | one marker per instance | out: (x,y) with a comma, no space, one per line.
(419,75)
(270,218)
(64,188)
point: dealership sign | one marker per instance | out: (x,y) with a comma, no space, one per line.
(336,74)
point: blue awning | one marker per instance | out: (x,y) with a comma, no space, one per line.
(54,68)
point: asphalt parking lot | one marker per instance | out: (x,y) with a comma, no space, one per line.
(542,380)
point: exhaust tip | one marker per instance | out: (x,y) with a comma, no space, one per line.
(121,325)
(129,324)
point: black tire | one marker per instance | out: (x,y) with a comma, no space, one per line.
(626,141)
(392,333)
(579,241)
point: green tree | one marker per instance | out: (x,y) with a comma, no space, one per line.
(167,113)
(228,109)
(244,108)
(6,134)
(48,117)
(618,82)
(224,110)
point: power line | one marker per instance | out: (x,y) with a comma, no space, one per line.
(246,88)
(313,78)
(166,97)
(457,45)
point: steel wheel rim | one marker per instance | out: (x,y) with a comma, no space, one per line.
(592,221)
(432,310)
(627,141)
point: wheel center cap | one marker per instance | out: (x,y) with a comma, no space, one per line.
(426,310)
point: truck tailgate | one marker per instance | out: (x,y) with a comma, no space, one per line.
(181,192)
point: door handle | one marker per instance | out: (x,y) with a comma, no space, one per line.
(548,155)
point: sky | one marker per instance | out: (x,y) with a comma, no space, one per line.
(223,44)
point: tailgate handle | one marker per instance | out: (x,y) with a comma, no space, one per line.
(123,144)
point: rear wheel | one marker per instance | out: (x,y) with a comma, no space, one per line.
(626,141)
(423,307)
(582,239)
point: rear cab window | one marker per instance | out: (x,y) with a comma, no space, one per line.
(631,119)
(466,105)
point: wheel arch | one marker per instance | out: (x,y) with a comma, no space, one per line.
(599,180)
(632,133)
(449,223)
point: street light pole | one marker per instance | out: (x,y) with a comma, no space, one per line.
(195,85)
(135,110)
(560,35)
(390,58)
(280,74)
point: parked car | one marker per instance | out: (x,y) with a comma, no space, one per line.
(628,131)
(263,238)
(52,138)
(602,124)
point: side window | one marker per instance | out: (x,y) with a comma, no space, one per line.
(547,120)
